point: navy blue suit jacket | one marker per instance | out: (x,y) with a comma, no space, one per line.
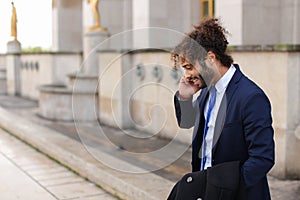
(243,132)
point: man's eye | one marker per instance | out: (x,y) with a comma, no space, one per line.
(188,67)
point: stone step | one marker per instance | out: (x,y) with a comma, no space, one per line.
(83,83)
(146,185)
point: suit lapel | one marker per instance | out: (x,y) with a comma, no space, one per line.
(200,116)
(202,101)
(221,116)
(233,84)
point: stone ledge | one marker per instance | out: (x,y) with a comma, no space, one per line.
(233,48)
(275,48)
(136,50)
(61,89)
(83,76)
(53,53)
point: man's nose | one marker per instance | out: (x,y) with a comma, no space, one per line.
(187,73)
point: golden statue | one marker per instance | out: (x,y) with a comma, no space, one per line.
(13,32)
(95,10)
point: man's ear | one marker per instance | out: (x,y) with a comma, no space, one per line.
(211,56)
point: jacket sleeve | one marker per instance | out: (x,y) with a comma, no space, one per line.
(185,112)
(257,122)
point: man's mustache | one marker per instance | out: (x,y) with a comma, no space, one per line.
(198,77)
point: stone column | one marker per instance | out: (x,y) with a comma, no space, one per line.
(67,25)
(93,41)
(289,20)
(85,82)
(115,89)
(243,19)
(162,14)
(13,62)
(232,18)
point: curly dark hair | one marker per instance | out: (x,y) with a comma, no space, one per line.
(209,35)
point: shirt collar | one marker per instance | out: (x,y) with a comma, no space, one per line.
(222,84)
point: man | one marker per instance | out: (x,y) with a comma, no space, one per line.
(231,116)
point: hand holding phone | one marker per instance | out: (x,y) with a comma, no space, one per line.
(188,86)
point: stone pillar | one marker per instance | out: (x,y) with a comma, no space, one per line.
(115,15)
(13,62)
(255,30)
(232,18)
(115,89)
(246,21)
(67,25)
(147,14)
(93,41)
(290,20)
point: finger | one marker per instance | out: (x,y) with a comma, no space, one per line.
(184,80)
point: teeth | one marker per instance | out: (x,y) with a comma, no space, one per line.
(193,79)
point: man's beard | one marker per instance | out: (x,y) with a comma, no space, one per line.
(206,76)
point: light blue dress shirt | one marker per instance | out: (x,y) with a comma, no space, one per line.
(221,86)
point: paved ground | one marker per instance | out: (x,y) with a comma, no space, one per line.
(280,189)
(27,174)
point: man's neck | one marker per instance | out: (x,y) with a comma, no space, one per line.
(222,70)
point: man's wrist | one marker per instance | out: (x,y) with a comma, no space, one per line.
(181,98)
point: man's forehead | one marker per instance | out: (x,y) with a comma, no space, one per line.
(186,63)
(184,60)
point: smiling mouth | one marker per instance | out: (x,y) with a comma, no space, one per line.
(193,79)
(198,79)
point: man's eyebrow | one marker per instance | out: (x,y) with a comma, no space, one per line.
(187,65)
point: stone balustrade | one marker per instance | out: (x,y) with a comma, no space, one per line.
(45,68)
